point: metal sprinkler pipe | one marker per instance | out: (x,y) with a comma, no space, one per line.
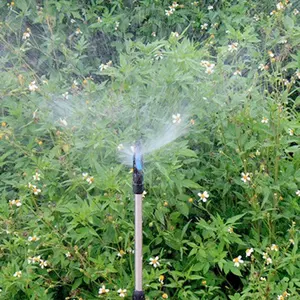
(138,189)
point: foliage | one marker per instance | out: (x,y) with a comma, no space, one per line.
(81,80)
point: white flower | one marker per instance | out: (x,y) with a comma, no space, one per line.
(176,118)
(154,262)
(66,95)
(203,196)
(153,34)
(257,153)
(85,176)
(117,24)
(230,229)
(233,47)
(298,73)
(122,292)
(36,176)
(210,69)
(90,180)
(34,114)
(33,238)
(18,274)
(291,131)
(35,190)
(256,18)
(120,147)
(99,20)
(169,12)
(280,297)
(271,54)
(292,241)
(36,259)
(103,290)
(161,279)
(279,6)
(43,263)
(263,67)
(274,247)
(237,72)
(103,67)
(262,279)
(264,120)
(238,261)
(121,253)
(175,34)
(30,260)
(78,31)
(265,255)
(204,26)
(68,254)
(295,11)
(144,194)
(249,252)
(210,7)
(63,122)
(269,260)
(32,86)
(298,193)
(73,21)
(26,34)
(245,177)
(158,55)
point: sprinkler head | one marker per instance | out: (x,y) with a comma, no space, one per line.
(138,175)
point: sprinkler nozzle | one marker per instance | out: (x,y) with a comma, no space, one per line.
(138,176)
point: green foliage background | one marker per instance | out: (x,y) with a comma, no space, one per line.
(109,71)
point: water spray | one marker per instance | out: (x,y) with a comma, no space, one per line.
(138,189)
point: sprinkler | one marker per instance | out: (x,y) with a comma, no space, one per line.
(138,189)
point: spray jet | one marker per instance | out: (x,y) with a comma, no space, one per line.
(138,189)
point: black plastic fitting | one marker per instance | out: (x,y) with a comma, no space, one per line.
(138,295)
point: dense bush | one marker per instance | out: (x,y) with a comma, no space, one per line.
(211,89)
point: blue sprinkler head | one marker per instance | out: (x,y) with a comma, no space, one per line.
(138,175)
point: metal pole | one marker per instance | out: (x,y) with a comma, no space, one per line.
(138,236)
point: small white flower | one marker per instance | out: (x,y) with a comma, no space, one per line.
(210,69)
(237,72)
(154,262)
(269,260)
(120,147)
(36,259)
(161,279)
(279,6)
(210,7)
(66,95)
(103,67)
(73,21)
(175,34)
(292,241)
(158,55)
(32,86)
(265,255)
(36,176)
(230,229)
(99,20)
(238,261)
(280,297)
(298,193)
(249,252)
(30,260)
(35,190)
(103,290)
(203,196)
(18,274)
(256,18)
(26,34)
(263,67)
(78,31)
(245,177)
(43,263)
(274,247)
(298,73)
(168,13)
(68,254)
(153,34)
(90,180)
(271,54)
(18,203)
(204,26)
(117,24)
(63,122)
(144,194)
(176,119)
(295,11)
(121,253)
(122,292)
(233,47)
(85,176)
(264,120)
(33,238)
(257,153)
(262,279)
